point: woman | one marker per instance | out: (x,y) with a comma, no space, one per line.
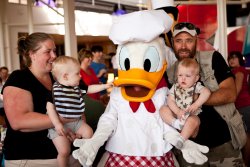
(25,96)
(242,103)
(87,73)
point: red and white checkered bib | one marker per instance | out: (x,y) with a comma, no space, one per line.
(117,160)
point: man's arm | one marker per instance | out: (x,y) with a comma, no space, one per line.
(227,89)
(225,94)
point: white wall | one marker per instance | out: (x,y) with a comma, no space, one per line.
(48,21)
(17,21)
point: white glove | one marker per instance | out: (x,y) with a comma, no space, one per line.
(89,147)
(87,152)
(192,152)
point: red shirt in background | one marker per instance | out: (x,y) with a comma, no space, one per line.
(90,80)
(243,98)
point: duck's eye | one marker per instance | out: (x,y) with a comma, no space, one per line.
(151,59)
(124,61)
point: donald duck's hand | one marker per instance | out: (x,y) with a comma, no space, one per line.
(192,152)
(86,153)
(89,147)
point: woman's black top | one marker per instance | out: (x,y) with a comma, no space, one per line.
(28,145)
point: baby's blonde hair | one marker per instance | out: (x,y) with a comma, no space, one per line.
(62,65)
(190,63)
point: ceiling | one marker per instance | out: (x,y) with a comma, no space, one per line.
(59,39)
(107,6)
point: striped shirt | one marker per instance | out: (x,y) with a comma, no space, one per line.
(68,100)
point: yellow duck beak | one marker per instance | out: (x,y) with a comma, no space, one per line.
(138,85)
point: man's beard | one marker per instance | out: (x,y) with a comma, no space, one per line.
(191,53)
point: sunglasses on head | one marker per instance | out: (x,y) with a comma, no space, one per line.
(189,26)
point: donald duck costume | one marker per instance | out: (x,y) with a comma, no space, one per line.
(131,124)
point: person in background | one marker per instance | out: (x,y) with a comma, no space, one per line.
(93,108)
(242,103)
(185,100)
(1,104)
(4,74)
(87,73)
(25,96)
(99,68)
(217,76)
(67,102)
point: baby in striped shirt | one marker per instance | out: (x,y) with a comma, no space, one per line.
(66,105)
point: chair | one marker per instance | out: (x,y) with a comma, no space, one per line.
(93,110)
